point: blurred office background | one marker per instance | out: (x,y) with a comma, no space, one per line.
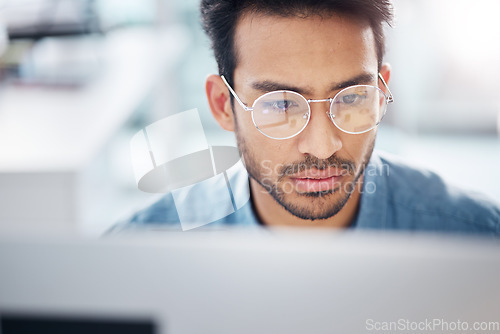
(79,78)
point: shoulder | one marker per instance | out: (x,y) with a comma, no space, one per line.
(426,195)
(221,200)
(161,213)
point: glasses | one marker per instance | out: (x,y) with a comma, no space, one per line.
(284,114)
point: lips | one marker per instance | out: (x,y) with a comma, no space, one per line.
(314,180)
(320,174)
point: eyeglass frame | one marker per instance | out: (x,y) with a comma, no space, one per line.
(389,99)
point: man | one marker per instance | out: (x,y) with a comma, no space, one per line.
(303,85)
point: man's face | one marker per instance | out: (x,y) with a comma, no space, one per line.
(313,174)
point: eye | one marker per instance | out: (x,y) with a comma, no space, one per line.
(351,98)
(281,105)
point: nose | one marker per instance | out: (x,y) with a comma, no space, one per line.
(320,138)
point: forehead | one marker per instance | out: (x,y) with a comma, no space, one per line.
(303,50)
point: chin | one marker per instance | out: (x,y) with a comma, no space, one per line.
(314,206)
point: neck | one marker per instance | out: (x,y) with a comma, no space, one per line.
(271,213)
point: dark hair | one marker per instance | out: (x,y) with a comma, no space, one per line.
(219,18)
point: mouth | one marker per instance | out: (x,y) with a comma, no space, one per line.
(315,180)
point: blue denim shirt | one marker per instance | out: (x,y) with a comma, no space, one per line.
(395,196)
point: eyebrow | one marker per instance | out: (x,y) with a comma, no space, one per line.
(269,86)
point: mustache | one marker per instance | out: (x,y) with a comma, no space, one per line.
(312,162)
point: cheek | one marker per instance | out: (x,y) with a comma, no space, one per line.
(357,146)
(255,141)
(273,151)
(244,124)
(267,154)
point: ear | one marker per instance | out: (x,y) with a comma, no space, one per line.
(385,70)
(220,102)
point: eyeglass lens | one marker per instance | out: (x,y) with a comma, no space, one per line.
(284,114)
(280,114)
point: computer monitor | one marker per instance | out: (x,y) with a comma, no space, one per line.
(270,281)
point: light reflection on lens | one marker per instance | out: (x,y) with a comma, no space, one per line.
(358,109)
(280,114)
